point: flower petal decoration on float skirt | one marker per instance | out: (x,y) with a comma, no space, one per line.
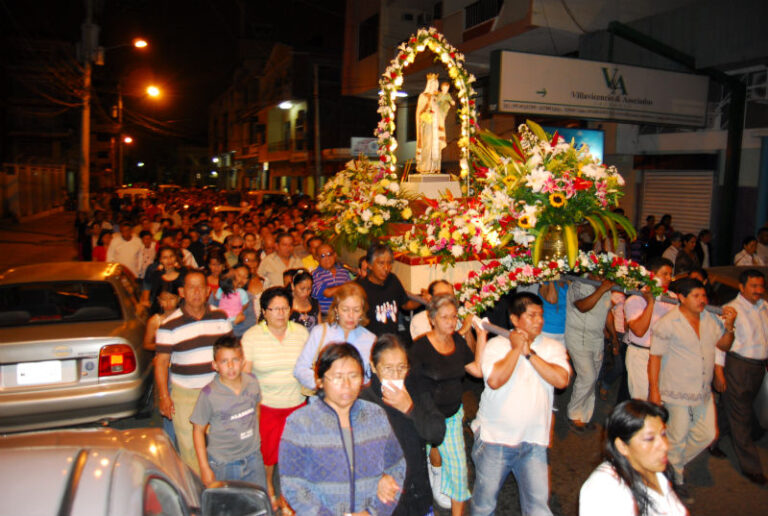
(482,290)
(392,79)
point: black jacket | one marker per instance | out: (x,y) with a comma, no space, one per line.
(423,424)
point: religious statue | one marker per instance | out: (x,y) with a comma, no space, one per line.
(431,110)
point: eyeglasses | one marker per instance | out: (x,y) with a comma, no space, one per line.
(236,246)
(338,379)
(326,255)
(392,370)
(279,309)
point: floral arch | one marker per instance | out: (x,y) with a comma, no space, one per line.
(392,79)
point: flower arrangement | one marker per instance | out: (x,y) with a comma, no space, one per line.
(392,79)
(359,202)
(451,229)
(533,182)
(482,290)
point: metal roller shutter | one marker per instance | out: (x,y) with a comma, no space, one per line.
(686,195)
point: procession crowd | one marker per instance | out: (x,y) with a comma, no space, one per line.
(273,359)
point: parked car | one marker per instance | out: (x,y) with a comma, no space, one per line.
(134,192)
(71,336)
(108,472)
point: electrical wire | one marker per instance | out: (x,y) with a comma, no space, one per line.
(573,18)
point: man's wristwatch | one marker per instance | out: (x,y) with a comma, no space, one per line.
(529,355)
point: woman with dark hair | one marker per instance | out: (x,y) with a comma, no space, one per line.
(338,455)
(99,253)
(215,264)
(634,479)
(413,415)
(271,349)
(305,309)
(168,275)
(687,259)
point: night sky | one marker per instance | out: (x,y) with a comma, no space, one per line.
(193,46)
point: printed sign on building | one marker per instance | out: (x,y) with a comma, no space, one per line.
(558,86)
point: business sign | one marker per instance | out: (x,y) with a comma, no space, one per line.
(364,146)
(562,87)
(592,138)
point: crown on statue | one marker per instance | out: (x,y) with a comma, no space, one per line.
(431,76)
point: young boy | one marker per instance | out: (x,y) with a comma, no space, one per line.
(229,406)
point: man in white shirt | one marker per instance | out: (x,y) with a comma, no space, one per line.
(640,313)
(762,244)
(513,423)
(739,372)
(680,371)
(125,249)
(274,265)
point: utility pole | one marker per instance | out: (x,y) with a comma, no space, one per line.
(88,46)
(120,136)
(318,150)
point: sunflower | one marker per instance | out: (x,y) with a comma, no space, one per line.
(524,222)
(556,200)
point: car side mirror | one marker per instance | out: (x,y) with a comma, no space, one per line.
(232,498)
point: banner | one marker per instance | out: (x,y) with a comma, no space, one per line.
(563,87)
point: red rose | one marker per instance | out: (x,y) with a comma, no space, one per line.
(393,75)
(472,275)
(553,265)
(593,258)
(403,57)
(457,286)
(536,271)
(383,158)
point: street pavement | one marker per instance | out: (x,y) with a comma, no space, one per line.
(48,239)
(715,483)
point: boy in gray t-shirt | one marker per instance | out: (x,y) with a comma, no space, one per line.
(229,407)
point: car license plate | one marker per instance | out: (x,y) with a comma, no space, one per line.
(35,373)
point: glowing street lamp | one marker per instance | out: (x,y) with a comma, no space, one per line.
(140,43)
(153,91)
(128,139)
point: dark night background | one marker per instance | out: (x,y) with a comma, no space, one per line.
(194,48)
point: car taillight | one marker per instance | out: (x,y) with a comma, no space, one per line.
(116,359)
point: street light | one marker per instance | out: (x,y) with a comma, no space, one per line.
(140,43)
(153,91)
(127,139)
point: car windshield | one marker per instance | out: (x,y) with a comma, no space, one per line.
(58,302)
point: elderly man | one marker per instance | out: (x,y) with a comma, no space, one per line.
(739,372)
(327,277)
(274,265)
(185,343)
(680,370)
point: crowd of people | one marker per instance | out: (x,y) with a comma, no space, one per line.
(273,359)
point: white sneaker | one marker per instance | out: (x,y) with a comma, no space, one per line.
(435,480)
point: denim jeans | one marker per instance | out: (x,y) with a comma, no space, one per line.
(248,469)
(493,462)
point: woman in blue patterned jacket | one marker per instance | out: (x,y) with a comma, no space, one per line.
(338,455)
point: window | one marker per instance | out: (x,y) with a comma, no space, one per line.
(299,134)
(480,11)
(161,499)
(368,37)
(58,302)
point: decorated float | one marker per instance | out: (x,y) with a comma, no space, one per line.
(508,216)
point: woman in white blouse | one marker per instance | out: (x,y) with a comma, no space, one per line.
(633,479)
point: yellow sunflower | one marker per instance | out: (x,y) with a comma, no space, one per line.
(524,222)
(557,200)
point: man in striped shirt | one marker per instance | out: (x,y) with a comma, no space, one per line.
(185,342)
(327,277)
(739,372)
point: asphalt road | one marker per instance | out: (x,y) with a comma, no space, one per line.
(715,483)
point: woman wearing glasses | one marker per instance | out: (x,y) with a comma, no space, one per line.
(271,349)
(440,360)
(413,415)
(345,323)
(338,455)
